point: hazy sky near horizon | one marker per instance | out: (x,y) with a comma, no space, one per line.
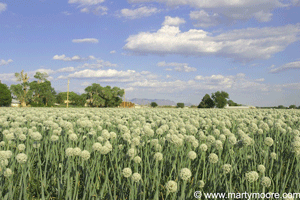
(158,49)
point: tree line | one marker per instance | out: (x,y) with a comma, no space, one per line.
(40,93)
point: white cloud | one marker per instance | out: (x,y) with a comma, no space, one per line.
(4,62)
(113,51)
(288,66)
(88,73)
(74,58)
(240,44)
(138,12)
(88,6)
(179,67)
(86,2)
(204,19)
(173,21)
(168,76)
(86,40)
(229,9)
(3,7)
(260,80)
(185,69)
(66,69)
(66,13)
(86,84)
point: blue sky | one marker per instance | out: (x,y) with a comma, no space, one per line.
(164,49)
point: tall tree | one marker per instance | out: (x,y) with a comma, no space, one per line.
(21,90)
(220,98)
(206,102)
(5,95)
(43,92)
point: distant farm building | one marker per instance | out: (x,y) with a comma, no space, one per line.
(126,104)
(15,103)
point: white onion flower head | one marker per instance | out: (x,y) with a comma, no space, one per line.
(266,182)
(252,176)
(85,155)
(54,138)
(201,184)
(2,144)
(131,152)
(69,152)
(8,172)
(22,137)
(126,172)
(76,151)
(273,155)
(73,137)
(21,158)
(171,186)
(137,159)
(213,158)
(36,145)
(97,146)
(261,168)
(226,168)
(192,155)
(268,141)
(158,156)
(36,136)
(203,147)
(136,177)
(3,163)
(21,147)
(185,174)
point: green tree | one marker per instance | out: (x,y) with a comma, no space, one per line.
(21,90)
(206,102)
(180,105)
(153,104)
(5,95)
(232,103)
(74,99)
(104,96)
(281,107)
(220,98)
(292,107)
(43,92)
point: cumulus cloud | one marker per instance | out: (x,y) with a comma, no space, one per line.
(74,58)
(113,51)
(86,40)
(5,62)
(240,44)
(287,66)
(3,7)
(138,12)
(173,21)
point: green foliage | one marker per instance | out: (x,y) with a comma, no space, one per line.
(281,107)
(206,102)
(232,103)
(99,96)
(153,104)
(5,95)
(43,93)
(74,99)
(220,98)
(18,92)
(180,105)
(292,107)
